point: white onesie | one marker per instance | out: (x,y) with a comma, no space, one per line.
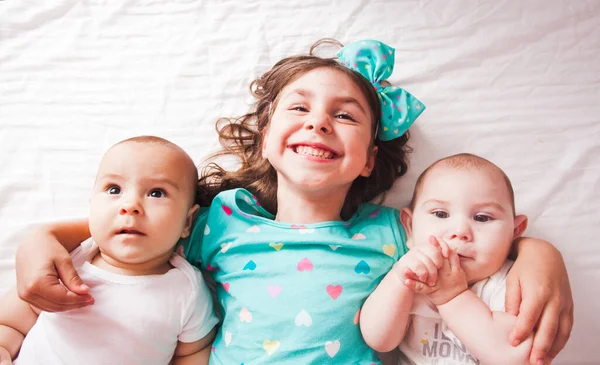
(134,320)
(428,341)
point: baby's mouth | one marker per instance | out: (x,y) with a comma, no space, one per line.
(130,231)
(313,151)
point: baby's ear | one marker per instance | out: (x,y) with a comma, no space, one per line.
(406,220)
(520,225)
(189,220)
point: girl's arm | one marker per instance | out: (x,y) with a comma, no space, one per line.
(16,319)
(539,294)
(43,258)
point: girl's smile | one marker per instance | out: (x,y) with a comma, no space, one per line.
(315,151)
(320,137)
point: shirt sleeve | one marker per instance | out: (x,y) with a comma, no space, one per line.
(190,247)
(399,233)
(202,317)
(211,225)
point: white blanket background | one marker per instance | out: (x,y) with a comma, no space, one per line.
(517,82)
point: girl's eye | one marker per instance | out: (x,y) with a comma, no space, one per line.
(157,193)
(482,218)
(299,108)
(345,116)
(440,214)
(113,190)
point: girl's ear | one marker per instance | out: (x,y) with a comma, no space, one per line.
(189,220)
(520,225)
(265,133)
(406,220)
(263,148)
(366,172)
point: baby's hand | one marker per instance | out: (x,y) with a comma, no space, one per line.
(5,357)
(452,281)
(421,263)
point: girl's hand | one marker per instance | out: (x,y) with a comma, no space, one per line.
(420,263)
(539,294)
(5,357)
(41,261)
(452,281)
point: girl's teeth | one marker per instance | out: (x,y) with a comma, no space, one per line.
(311,151)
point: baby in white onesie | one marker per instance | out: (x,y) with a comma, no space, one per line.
(460,226)
(150,305)
(467,203)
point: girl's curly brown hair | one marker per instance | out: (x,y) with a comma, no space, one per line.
(243,137)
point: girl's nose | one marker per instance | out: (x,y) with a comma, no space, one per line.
(319,123)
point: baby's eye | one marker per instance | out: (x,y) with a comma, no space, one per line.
(440,214)
(482,218)
(113,190)
(157,193)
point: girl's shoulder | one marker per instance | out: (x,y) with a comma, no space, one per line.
(240,200)
(371,207)
(375,213)
(227,211)
(385,220)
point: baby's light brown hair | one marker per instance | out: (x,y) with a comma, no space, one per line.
(192,170)
(463,161)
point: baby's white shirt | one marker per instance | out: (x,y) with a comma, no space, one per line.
(134,320)
(428,339)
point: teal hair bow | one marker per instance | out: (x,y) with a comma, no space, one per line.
(375,61)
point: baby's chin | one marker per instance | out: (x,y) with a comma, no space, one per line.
(476,274)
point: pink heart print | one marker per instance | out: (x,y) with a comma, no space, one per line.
(374,213)
(305,265)
(334,291)
(226,209)
(274,290)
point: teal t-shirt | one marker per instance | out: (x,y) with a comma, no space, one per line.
(291,294)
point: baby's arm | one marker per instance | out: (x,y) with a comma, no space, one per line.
(483,332)
(43,258)
(16,319)
(384,317)
(194,353)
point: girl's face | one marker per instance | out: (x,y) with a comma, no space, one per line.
(319,137)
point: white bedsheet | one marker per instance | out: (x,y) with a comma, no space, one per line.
(517,82)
